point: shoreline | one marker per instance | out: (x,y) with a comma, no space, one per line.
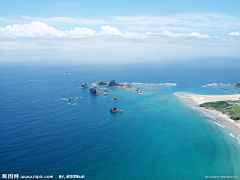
(194,100)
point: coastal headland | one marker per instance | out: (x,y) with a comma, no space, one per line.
(197,101)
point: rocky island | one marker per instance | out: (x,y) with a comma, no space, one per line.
(116,99)
(113,83)
(84,85)
(77,97)
(115,110)
(237,84)
(138,91)
(94,90)
(101,83)
(67,98)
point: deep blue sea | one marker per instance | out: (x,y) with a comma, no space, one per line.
(157,137)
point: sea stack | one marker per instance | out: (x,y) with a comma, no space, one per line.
(113,83)
(115,110)
(101,83)
(67,98)
(115,99)
(84,85)
(94,90)
(138,91)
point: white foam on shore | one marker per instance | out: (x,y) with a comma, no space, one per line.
(223,126)
(232,135)
(185,98)
(235,137)
(238,139)
(206,114)
(211,117)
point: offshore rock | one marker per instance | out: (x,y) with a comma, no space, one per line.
(113,83)
(94,90)
(114,110)
(67,98)
(84,85)
(115,99)
(101,83)
(138,91)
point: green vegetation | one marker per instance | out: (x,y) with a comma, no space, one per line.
(216,105)
(231,108)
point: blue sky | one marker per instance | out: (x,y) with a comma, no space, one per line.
(94,31)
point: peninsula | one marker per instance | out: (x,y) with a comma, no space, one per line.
(225,107)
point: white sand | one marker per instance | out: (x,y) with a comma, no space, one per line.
(195,100)
(199,99)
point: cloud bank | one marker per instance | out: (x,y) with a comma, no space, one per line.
(40,29)
(37,40)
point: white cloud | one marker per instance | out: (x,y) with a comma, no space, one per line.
(234,33)
(184,22)
(110,43)
(33,29)
(107,30)
(79,32)
(198,35)
(39,29)
(194,34)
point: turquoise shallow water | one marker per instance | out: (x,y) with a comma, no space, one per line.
(157,136)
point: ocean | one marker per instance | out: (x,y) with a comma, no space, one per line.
(157,137)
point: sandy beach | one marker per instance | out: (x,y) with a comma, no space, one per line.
(195,100)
